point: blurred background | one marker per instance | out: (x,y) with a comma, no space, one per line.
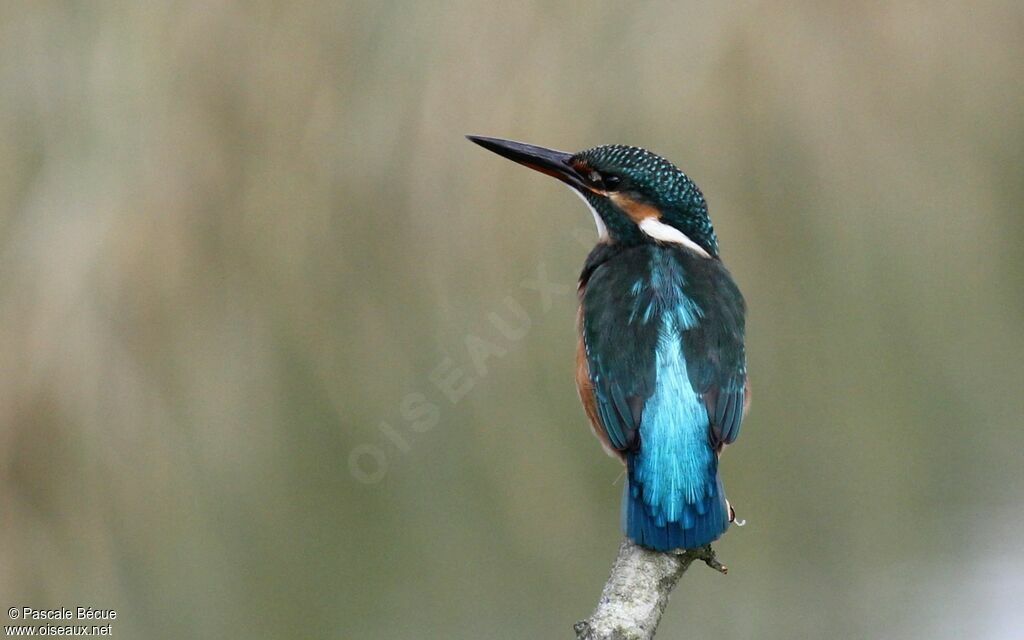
(283,355)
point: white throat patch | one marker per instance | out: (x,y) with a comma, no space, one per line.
(602,230)
(660,231)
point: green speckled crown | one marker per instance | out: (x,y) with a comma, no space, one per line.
(654,180)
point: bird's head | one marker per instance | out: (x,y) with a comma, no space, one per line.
(635,195)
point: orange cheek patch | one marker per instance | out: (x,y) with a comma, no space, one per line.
(637,211)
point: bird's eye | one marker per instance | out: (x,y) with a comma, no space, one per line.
(603,181)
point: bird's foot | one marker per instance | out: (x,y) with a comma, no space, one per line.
(732,516)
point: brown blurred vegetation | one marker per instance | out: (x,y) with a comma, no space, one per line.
(235,237)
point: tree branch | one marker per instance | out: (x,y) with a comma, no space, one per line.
(637,592)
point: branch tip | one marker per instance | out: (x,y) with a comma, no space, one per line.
(637,591)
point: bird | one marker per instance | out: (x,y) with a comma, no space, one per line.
(660,361)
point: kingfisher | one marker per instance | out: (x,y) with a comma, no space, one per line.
(660,361)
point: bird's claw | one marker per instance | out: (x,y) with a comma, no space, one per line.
(732,516)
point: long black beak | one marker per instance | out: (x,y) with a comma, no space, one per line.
(554,163)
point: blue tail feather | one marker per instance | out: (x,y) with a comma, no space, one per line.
(700,523)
